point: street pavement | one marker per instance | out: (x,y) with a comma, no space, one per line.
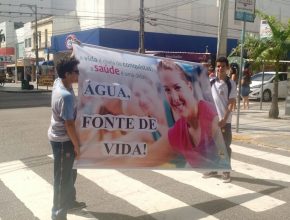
(254,125)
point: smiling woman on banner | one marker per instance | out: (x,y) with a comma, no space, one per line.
(195,134)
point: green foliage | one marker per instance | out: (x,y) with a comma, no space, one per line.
(272,49)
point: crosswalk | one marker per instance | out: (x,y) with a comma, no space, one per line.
(35,192)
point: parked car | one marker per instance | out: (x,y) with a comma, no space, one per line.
(268,86)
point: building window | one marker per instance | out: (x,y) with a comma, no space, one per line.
(27,42)
(38,39)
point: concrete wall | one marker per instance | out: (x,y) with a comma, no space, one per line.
(167,16)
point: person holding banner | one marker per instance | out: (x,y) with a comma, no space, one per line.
(64,140)
(225,99)
(195,134)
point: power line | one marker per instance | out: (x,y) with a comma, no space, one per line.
(158,9)
(189,21)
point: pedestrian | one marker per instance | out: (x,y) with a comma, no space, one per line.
(245,87)
(235,77)
(211,72)
(63,139)
(224,98)
(234,74)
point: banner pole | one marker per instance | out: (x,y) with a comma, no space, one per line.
(240,75)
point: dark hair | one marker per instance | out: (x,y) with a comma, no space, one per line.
(223,60)
(66,65)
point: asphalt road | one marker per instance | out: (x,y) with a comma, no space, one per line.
(24,100)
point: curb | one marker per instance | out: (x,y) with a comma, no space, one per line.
(250,139)
(26,91)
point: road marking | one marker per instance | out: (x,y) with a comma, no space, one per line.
(142,196)
(35,192)
(252,200)
(259,172)
(16,176)
(276,158)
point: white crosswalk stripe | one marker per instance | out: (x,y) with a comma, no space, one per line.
(259,172)
(276,158)
(36,193)
(139,194)
(31,189)
(229,191)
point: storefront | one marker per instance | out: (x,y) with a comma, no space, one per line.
(47,73)
(6,58)
(129,40)
(24,68)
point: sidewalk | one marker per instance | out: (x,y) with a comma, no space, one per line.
(255,127)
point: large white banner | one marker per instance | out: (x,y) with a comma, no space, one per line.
(137,111)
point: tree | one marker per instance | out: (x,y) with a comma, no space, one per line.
(271,49)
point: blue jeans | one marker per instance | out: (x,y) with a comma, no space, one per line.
(64,179)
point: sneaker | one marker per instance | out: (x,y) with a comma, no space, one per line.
(210,174)
(226,177)
(76,206)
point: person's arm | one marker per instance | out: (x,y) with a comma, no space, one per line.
(158,153)
(229,109)
(71,131)
(216,133)
(231,104)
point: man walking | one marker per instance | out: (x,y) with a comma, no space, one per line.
(63,139)
(224,92)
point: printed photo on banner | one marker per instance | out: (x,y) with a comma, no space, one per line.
(138,111)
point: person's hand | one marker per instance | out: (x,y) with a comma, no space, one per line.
(222,123)
(77,152)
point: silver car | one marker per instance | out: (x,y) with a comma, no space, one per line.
(268,85)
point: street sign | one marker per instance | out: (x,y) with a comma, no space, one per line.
(265,30)
(245,10)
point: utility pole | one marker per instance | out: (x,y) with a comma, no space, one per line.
(222,28)
(16,57)
(34,9)
(240,74)
(141,31)
(36,47)
(244,11)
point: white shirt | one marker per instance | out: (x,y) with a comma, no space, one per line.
(221,98)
